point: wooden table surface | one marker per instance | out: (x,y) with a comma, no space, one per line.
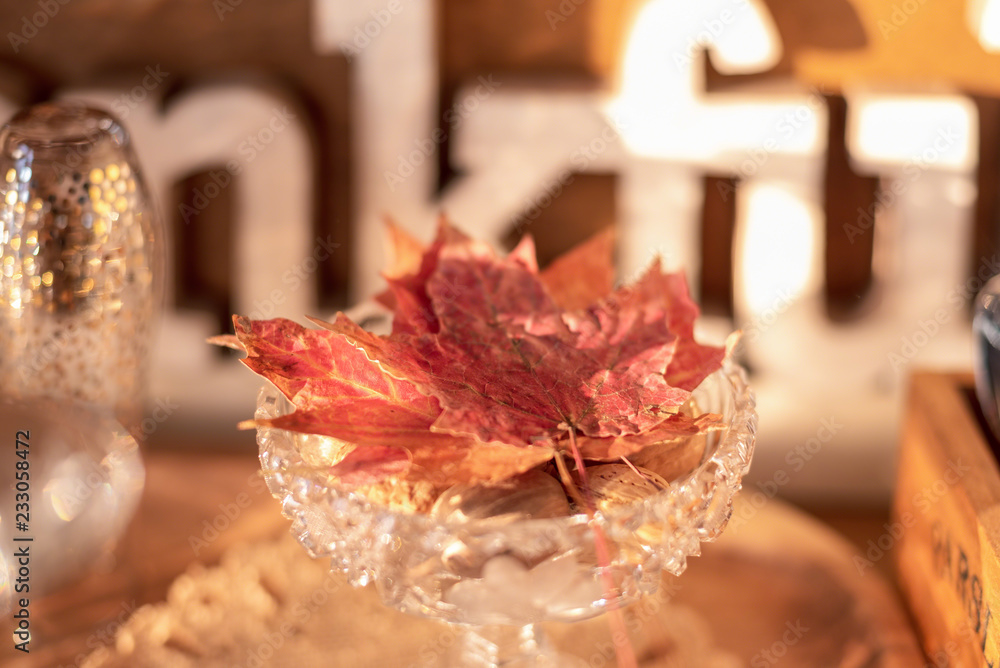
(188,491)
(184,491)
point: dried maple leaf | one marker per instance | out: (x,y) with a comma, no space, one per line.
(584,274)
(507,363)
(406,255)
(674,428)
(492,366)
(339,392)
(575,279)
(668,292)
(407,251)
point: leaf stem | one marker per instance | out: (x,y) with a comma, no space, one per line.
(624,651)
(567,479)
(640,473)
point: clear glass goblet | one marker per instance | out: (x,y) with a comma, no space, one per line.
(499,577)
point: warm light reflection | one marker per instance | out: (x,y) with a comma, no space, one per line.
(752,41)
(6,586)
(62,496)
(984,21)
(916,131)
(775,247)
(662,110)
(64,490)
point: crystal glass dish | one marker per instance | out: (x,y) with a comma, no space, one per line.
(514,571)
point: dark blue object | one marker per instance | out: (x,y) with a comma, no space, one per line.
(986,326)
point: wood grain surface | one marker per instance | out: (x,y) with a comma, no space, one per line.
(948,505)
(752,595)
(183,492)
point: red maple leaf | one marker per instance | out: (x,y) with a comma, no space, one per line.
(584,274)
(667,293)
(507,363)
(339,392)
(491,365)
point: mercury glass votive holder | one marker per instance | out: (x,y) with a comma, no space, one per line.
(80,260)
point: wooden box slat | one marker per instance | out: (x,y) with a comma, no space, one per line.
(946,522)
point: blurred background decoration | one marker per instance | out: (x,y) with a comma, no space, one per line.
(826,172)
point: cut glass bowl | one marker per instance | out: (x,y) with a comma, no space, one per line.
(514,572)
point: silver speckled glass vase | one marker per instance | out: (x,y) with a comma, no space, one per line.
(80,260)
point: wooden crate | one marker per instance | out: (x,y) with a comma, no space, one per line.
(946,522)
